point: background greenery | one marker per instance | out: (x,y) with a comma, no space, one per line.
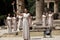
(6,7)
(30,4)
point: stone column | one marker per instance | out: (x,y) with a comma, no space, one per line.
(20,5)
(39,10)
(17,5)
(47,4)
(55,7)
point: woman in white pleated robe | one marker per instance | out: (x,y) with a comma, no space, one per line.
(19,22)
(43,20)
(9,24)
(14,21)
(26,32)
(50,19)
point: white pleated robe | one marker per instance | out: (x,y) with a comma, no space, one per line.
(19,22)
(9,24)
(43,20)
(26,32)
(14,23)
(50,20)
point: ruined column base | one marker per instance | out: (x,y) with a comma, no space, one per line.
(37,22)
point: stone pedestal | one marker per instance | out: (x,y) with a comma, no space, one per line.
(56,24)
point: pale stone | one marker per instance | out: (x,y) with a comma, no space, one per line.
(57,27)
(0,27)
(39,10)
(20,5)
(55,8)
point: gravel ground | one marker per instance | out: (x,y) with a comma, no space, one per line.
(56,36)
(32,38)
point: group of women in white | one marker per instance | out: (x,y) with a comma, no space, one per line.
(47,19)
(23,21)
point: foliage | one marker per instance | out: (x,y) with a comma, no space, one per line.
(59,6)
(5,8)
(31,6)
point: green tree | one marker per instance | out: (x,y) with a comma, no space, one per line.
(31,6)
(5,8)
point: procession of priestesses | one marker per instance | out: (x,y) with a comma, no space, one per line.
(24,21)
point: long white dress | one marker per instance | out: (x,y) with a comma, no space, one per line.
(50,20)
(26,34)
(9,24)
(19,22)
(43,20)
(14,23)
